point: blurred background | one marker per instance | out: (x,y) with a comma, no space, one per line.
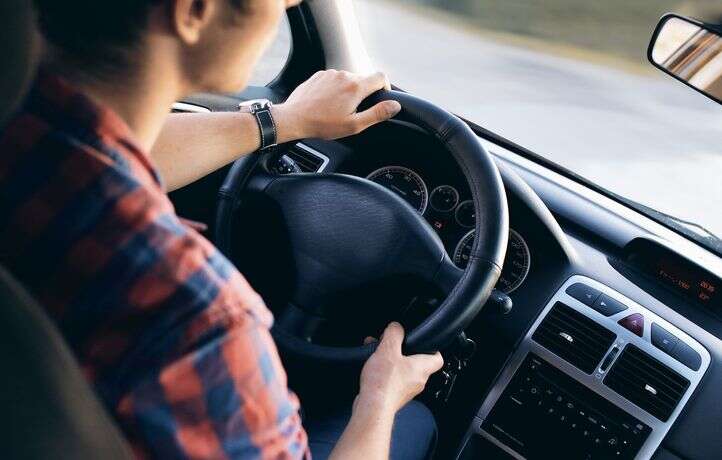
(618,27)
(567,79)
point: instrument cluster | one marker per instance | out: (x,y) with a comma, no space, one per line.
(451,213)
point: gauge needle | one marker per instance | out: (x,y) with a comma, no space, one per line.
(398,190)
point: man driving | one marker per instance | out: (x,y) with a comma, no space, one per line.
(171,336)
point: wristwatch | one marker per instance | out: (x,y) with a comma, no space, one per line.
(261,110)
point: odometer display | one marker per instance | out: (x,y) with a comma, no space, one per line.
(405,183)
(516,262)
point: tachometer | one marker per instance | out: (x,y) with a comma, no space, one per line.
(516,262)
(405,183)
(444,198)
(466,214)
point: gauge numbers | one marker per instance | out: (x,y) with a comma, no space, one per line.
(516,262)
(465,214)
(405,183)
(444,198)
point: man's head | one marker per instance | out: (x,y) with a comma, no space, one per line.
(211,45)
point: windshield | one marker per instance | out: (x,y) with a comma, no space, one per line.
(568,80)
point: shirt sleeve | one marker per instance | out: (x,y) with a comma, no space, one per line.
(202,376)
(172,337)
(225,399)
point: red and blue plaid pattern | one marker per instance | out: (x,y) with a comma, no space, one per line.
(172,337)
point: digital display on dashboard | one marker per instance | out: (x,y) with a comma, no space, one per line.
(688,282)
(677,273)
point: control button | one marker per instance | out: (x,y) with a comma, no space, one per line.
(687,356)
(608,306)
(663,339)
(583,293)
(634,323)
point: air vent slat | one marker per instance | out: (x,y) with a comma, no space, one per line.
(674,386)
(306,160)
(634,379)
(590,342)
(551,337)
(585,325)
(636,394)
(574,337)
(581,323)
(647,382)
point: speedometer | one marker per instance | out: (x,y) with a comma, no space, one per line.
(516,262)
(405,183)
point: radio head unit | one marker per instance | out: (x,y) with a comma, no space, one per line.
(596,376)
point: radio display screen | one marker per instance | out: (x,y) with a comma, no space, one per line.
(678,274)
(693,284)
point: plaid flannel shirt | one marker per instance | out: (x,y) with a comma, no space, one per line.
(171,336)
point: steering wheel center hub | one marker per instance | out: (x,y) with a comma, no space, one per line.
(345,232)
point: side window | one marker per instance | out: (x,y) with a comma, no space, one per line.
(275,57)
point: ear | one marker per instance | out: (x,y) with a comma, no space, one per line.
(191,17)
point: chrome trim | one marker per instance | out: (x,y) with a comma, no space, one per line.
(460,244)
(189,108)
(523,278)
(425,201)
(456,192)
(315,153)
(247,106)
(594,381)
(512,233)
(456,213)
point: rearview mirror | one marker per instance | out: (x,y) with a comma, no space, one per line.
(691,52)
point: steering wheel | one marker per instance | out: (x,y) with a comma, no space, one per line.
(367,233)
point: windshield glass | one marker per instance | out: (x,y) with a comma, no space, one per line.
(569,80)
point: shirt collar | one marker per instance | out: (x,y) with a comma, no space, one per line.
(57,101)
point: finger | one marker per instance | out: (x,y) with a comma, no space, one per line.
(369,340)
(428,363)
(374,82)
(393,337)
(378,113)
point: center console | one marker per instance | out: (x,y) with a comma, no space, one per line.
(596,377)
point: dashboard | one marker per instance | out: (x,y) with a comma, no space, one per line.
(595,368)
(440,195)
(581,373)
(453,219)
(653,375)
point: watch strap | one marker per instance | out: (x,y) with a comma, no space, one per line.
(266,126)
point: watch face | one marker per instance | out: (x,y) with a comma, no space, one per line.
(254,105)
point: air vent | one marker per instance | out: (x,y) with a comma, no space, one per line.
(647,382)
(307,159)
(574,337)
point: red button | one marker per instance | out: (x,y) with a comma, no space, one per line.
(633,323)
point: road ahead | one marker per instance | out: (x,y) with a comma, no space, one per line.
(645,137)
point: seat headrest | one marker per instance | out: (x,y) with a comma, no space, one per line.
(19,44)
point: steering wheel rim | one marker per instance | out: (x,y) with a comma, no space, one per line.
(470,290)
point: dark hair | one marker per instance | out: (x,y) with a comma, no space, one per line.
(98,33)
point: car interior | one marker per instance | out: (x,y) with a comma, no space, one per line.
(572,325)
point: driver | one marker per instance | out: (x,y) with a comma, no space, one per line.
(172,337)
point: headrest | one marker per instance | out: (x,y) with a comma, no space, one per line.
(19,44)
